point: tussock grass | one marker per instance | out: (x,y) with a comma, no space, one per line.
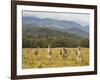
(30,60)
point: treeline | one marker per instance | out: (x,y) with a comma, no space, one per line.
(36,36)
(54,42)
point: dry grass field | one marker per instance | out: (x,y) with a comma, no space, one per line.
(30,60)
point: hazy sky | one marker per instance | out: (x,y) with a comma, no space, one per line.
(82,19)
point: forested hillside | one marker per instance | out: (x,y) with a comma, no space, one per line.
(34,35)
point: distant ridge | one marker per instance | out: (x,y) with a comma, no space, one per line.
(60,25)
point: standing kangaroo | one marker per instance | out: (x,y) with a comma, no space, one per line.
(36,52)
(65,53)
(60,51)
(49,56)
(78,55)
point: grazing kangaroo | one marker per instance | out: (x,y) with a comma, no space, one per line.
(65,53)
(49,56)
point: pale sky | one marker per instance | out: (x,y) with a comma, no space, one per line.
(82,19)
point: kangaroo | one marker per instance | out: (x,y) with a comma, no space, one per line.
(49,53)
(65,53)
(78,55)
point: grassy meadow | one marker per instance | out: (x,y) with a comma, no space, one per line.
(30,60)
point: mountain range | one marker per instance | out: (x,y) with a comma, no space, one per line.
(58,25)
